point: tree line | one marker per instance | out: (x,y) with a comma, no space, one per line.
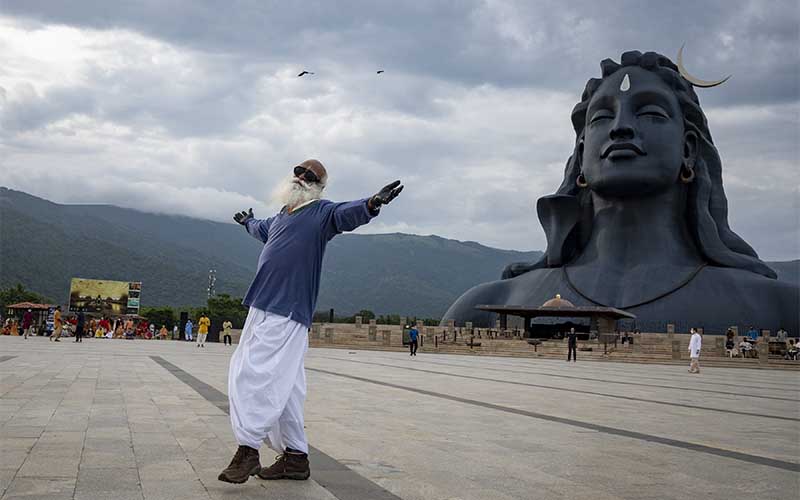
(222,307)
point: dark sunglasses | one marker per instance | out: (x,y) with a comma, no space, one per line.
(306,174)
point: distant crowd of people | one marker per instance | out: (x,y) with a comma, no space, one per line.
(789,348)
(122,327)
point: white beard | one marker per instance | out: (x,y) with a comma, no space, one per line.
(293,192)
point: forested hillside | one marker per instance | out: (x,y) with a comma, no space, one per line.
(43,245)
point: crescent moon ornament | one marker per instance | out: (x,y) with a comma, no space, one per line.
(693,80)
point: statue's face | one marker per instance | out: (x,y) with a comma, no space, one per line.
(633,142)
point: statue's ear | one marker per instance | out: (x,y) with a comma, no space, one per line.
(691,146)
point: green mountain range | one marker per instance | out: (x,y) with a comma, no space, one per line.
(43,245)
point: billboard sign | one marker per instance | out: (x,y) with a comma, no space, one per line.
(112,298)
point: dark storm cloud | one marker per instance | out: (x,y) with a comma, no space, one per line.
(550,44)
(174,100)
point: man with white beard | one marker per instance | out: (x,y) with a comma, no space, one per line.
(266,378)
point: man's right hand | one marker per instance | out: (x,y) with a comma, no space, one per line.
(243,217)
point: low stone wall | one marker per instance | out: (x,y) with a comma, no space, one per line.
(646,347)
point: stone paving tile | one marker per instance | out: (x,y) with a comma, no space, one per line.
(107,484)
(162,489)
(61,466)
(41,488)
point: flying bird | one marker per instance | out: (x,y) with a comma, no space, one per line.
(305,73)
(380,71)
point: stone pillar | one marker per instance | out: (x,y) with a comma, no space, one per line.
(403,321)
(676,349)
(430,333)
(763,351)
(451,328)
(316,331)
(605,326)
(719,344)
(373,330)
(329,335)
(359,321)
(671,331)
(386,335)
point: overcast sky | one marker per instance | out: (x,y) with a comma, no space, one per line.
(191,107)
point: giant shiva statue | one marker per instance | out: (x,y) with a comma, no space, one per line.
(640,221)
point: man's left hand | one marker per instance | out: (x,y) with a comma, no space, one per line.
(385,195)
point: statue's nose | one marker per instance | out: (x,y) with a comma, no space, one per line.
(622,131)
(622,128)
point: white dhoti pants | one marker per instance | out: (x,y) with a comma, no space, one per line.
(267,382)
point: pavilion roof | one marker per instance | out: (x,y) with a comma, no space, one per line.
(29,305)
(562,312)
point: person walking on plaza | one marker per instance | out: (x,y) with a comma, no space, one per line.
(413,335)
(58,325)
(202,330)
(227,326)
(27,323)
(695,343)
(266,378)
(188,330)
(79,327)
(572,345)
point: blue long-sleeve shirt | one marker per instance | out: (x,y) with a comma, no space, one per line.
(290,264)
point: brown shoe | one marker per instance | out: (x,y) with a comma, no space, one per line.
(291,465)
(244,464)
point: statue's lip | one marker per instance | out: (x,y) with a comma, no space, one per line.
(622,146)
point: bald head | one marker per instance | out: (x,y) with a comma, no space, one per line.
(318,168)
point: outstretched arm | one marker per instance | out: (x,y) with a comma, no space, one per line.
(258,228)
(349,215)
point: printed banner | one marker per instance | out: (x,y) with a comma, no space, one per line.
(111,298)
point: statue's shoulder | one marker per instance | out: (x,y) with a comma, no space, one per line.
(745,281)
(741,288)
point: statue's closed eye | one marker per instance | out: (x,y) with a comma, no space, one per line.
(602,114)
(653,110)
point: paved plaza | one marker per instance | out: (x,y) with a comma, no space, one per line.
(114,419)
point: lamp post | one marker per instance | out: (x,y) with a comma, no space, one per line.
(212,282)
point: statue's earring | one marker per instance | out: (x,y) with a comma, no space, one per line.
(690,148)
(580,181)
(687,174)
